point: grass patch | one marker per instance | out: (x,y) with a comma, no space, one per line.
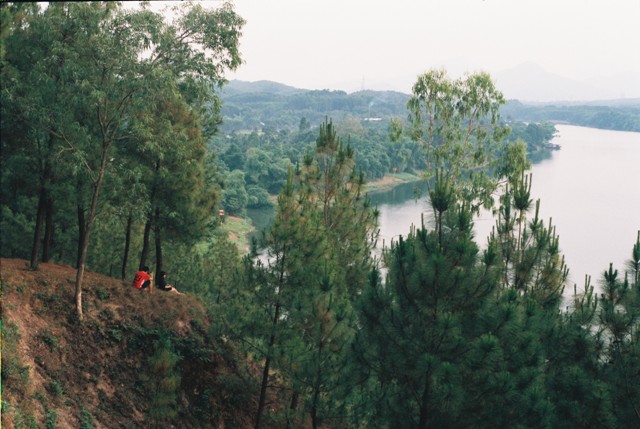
(102,294)
(86,419)
(391,180)
(237,230)
(50,340)
(55,388)
(12,369)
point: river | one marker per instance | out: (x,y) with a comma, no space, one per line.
(590,188)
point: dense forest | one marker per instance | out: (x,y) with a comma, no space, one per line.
(120,144)
(268,126)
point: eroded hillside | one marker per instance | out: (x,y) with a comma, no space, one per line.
(137,360)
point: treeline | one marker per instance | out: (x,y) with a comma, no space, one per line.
(611,117)
(254,105)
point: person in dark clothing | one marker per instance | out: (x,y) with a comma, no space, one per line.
(142,280)
(162,284)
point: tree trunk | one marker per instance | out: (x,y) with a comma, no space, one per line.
(424,406)
(48,231)
(87,230)
(316,392)
(81,233)
(267,365)
(35,249)
(147,227)
(157,234)
(145,244)
(317,384)
(127,242)
(292,407)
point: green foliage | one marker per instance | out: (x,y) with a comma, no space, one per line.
(246,105)
(235,197)
(102,294)
(15,375)
(23,420)
(15,229)
(531,259)
(87,421)
(85,111)
(536,136)
(458,123)
(446,338)
(258,197)
(55,388)
(51,419)
(51,416)
(163,382)
(298,300)
(50,340)
(619,325)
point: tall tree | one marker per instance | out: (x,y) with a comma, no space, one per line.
(465,335)
(105,84)
(29,77)
(322,220)
(619,322)
(458,123)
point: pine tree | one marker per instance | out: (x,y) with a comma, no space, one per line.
(163,383)
(575,383)
(318,259)
(418,324)
(619,322)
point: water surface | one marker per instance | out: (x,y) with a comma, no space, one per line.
(590,188)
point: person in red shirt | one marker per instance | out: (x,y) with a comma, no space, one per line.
(142,280)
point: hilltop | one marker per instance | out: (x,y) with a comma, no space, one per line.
(57,372)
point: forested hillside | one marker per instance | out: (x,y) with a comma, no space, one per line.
(115,159)
(254,105)
(623,115)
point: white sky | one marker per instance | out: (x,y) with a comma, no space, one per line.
(376,44)
(336,44)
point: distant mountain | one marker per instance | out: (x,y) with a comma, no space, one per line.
(261,86)
(530,82)
(255,105)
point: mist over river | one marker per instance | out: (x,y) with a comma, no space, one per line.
(590,188)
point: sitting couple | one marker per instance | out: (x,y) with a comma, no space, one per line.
(143,279)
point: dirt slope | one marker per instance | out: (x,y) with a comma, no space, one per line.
(60,373)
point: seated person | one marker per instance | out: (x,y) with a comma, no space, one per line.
(142,280)
(162,284)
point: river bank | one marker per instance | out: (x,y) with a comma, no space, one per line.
(390,181)
(241,229)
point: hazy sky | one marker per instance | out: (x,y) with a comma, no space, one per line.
(348,44)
